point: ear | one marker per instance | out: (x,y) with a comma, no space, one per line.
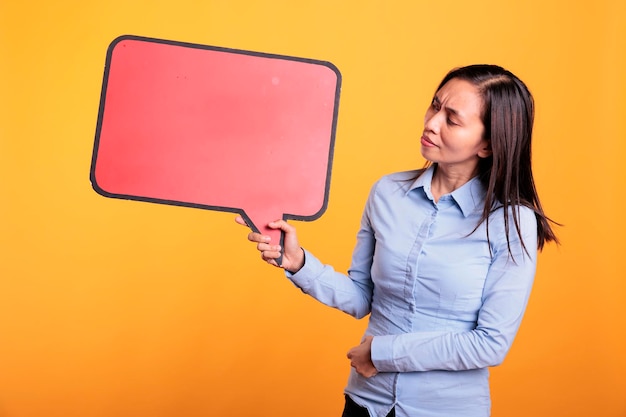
(485,152)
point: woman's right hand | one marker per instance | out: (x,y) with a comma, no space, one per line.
(292,253)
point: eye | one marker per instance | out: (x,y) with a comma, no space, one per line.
(451,122)
(435,104)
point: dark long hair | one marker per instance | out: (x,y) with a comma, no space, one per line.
(508,116)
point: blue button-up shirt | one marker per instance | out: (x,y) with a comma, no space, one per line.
(444,302)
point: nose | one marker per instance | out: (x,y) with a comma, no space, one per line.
(432,121)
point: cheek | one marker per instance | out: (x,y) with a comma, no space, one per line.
(474,132)
(467,141)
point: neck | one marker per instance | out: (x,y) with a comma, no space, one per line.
(446,180)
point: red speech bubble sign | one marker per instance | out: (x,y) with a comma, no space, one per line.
(216,128)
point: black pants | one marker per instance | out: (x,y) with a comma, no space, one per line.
(352,409)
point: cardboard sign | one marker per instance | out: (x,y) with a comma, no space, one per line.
(217,129)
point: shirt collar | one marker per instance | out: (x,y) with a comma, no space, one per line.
(470,197)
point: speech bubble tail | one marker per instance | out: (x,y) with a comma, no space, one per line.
(257,225)
(281,239)
(277,238)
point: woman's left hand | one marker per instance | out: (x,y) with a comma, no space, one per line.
(361,358)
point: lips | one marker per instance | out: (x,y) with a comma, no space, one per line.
(425,141)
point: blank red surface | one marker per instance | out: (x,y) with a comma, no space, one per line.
(217,129)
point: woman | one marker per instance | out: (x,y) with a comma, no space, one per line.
(445,256)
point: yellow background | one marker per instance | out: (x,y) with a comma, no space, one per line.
(121,308)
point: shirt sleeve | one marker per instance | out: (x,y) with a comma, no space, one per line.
(505,296)
(351,293)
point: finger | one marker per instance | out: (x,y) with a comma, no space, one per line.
(269,255)
(266,247)
(269,259)
(282,225)
(258,237)
(252,236)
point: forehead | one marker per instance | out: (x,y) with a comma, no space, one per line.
(461,96)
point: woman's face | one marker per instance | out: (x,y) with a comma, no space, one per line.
(453,129)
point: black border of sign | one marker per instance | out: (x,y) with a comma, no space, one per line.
(286,216)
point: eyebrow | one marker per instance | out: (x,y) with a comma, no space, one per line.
(449,109)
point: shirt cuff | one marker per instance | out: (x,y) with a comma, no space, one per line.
(311,269)
(382,353)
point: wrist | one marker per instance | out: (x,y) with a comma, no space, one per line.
(298,263)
